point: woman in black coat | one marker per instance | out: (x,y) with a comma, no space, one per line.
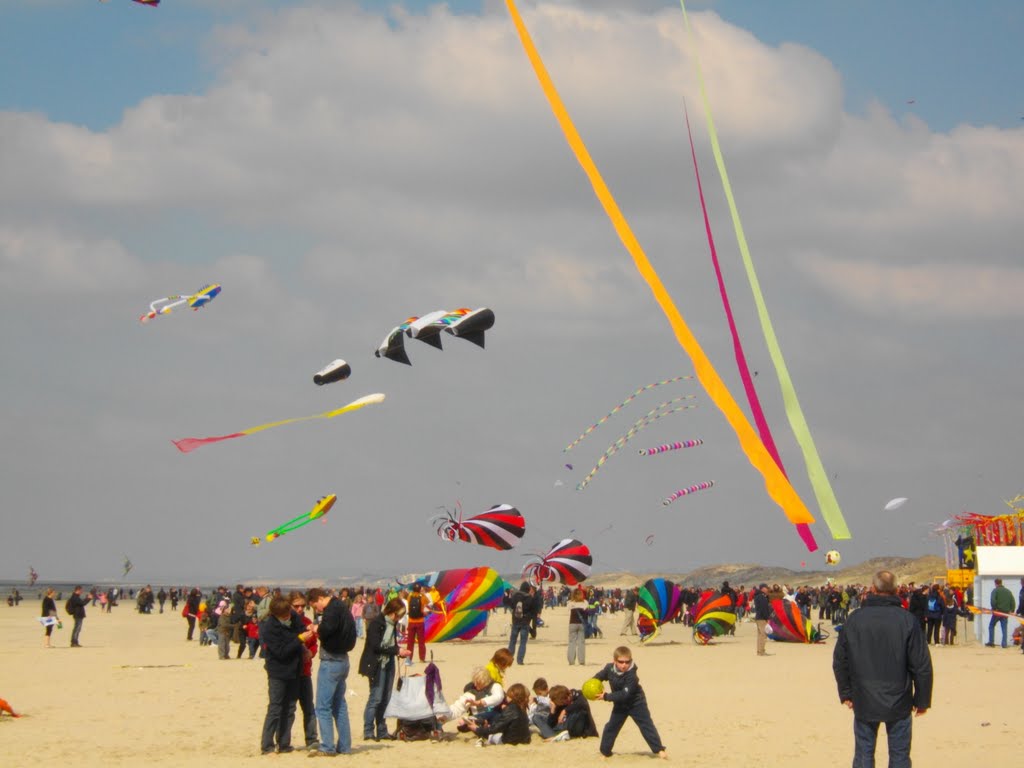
(377,663)
(49,611)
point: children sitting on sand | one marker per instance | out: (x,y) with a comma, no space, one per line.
(511,726)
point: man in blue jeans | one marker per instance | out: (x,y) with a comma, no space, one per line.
(1001,601)
(337,633)
(521,605)
(884,672)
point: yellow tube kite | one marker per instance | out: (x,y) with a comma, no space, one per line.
(776,484)
(188,444)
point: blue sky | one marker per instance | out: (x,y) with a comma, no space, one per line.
(85,62)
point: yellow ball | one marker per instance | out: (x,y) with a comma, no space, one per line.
(593,688)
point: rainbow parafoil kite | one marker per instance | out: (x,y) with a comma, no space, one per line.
(500,527)
(658,602)
(468,324)
(568,562)
(322,507)
(713,615)
(197,300)
(462,612)
(187,444)
(788,625)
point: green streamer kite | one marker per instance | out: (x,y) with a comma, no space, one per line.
(798,423)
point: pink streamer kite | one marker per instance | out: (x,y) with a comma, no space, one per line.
(671,447)
(802,529)
(687,491)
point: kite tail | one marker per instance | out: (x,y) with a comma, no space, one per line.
(777,485)
(815,471)
(802,529)
(188,444)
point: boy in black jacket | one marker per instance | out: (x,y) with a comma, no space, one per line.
(628,700)
(283,653)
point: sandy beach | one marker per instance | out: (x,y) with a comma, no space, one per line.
(137,694)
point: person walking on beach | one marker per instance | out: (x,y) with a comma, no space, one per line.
(419,607)
(191,611)
(521,605)
(283,653)
(577,649)
(75,606)
(337,633)
(883,671)
(49,612)
(762,612)
(1001,600)
(629,611)
(377,664)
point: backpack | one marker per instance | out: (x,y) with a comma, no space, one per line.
(68,608)
(933,605)
(517,610)
(415,606)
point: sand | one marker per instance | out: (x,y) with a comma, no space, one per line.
(137,694)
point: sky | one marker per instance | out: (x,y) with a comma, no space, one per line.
(340,166)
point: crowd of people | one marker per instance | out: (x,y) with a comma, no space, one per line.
(289,630)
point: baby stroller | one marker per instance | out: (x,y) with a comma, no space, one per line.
(417,704)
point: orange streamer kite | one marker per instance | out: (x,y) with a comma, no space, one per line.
(776,484)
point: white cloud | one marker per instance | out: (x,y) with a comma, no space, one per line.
(345,171)
(925,290)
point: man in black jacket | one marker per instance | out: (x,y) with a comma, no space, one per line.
(337,633)
(762,612)
(283,653)
(884,671)
(522,607)
(76,607)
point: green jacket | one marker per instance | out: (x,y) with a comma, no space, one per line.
(1002,600)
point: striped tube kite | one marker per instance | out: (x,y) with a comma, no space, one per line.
(713,616)
(619,407)
(788,625)
(652,416)
(501,527)
(671,447)
(687,491)
(776,483)
(658,602)
(188,444)
(567,562)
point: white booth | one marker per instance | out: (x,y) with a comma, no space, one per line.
(1006,563)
